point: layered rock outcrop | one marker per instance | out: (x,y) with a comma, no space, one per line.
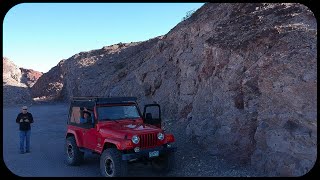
(17,82)
(49,86)
(242,76)
(29,76)
(11,73)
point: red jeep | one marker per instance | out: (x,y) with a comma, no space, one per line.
(117,131)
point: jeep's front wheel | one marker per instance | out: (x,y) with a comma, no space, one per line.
(111,163)
(164,163)
(74,155)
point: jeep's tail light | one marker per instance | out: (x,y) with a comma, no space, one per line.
(169,138)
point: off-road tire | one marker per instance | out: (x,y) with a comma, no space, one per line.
(111,163)
(164,163)
(73,155)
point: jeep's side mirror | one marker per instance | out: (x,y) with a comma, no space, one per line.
(152,114)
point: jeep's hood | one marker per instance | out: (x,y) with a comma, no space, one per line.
(119,130)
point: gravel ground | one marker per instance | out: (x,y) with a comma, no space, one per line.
(47,157)
(195,162)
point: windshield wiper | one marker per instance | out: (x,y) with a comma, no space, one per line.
(110,120)
(117,120)
(132,118)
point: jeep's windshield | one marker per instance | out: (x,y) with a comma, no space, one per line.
(109,113)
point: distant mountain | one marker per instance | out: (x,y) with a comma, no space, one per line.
(242,76)
(17,82)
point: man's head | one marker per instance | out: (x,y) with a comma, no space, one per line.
(24,109)
(86,114)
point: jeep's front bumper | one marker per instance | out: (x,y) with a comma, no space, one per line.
(145,152)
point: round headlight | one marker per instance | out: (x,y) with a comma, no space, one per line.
(160,136)
(135,139)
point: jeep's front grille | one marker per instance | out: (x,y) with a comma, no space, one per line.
(148,140)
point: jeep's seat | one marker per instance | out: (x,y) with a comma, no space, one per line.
(149,116)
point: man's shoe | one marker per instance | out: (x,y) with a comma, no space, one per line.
(27,151)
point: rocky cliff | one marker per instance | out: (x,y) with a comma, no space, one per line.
(29,76)
(242,76)
(49,86)
(17,82)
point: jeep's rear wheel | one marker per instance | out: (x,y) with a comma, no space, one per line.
(111,163)
(73,154)
(164,163)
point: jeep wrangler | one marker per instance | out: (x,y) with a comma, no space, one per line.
(117,131)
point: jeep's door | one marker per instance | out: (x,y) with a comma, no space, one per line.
(91,138)
(152,114)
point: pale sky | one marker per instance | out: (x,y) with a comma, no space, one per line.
(38,35)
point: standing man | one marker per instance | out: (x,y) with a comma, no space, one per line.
(24,119)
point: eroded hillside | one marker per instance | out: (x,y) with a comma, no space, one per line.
(241,76)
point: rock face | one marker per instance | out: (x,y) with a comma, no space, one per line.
(242,76)
(49,85)
(17,82)
(11,73)
(29,76)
